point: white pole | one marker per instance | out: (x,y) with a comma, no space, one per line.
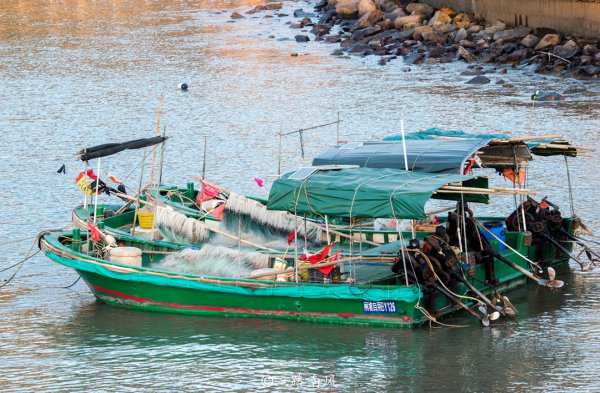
(404,145)
(97,186)
(412,227)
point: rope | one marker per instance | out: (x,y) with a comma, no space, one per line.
(76,281)
(17,240)
(27,256)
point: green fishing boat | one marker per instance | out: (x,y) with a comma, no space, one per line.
(365,286)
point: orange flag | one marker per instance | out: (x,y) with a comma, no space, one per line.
(218,211)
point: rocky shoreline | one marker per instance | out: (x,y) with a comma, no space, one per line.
(421,34)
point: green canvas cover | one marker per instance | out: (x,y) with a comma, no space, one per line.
(432,156)
(367,192)
(536,147)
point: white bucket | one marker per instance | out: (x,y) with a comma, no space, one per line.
(131,256)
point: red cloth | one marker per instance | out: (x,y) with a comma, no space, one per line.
(94,232)
(218,211)
(208,192)
(291,238)
(327,269)
(259,182)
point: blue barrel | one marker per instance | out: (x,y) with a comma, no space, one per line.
(497,228)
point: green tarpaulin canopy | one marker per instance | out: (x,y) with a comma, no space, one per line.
(367,192)
(537,147)
(432,156)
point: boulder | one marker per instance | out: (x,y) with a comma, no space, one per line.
(512,35)
(387,24)
(327,16)
(237,15)
(272,6)
(547,41)
(460,35)
(366,6)
(479,80)
(347,9)
(332,39)
(439,18)
(496,27)
(320,30)
(302,38)
(437,52)
(597,58)
(447,29)
(414,58)
(368,19)
(488,57)
(530,41)
(418,33)
(402,21)
(566,51)
(474,29)
(447,11)
(586,60)
(465,54)
(421,9)
(462,20)
(467,44)
(591,70)
(435,37)
(517,56)
(589,50)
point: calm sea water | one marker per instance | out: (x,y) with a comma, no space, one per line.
(79,73)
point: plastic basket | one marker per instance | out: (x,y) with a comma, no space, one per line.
(146,219)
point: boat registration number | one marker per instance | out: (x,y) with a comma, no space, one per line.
(379,307)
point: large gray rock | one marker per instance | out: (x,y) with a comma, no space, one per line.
(530,41)
(402,21)
(460,35)
(512,35)
(566,51)
(424,10)
(479,80)
(302,38)
(439,18)
(547,41)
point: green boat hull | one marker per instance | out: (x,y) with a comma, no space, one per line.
(392,305)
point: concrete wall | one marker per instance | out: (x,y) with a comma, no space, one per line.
(580,17)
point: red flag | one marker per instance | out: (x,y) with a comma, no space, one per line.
(95,232)
(259,182)
(291,237)
(327,269)
(218,211)
(316,258)
(208,192)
